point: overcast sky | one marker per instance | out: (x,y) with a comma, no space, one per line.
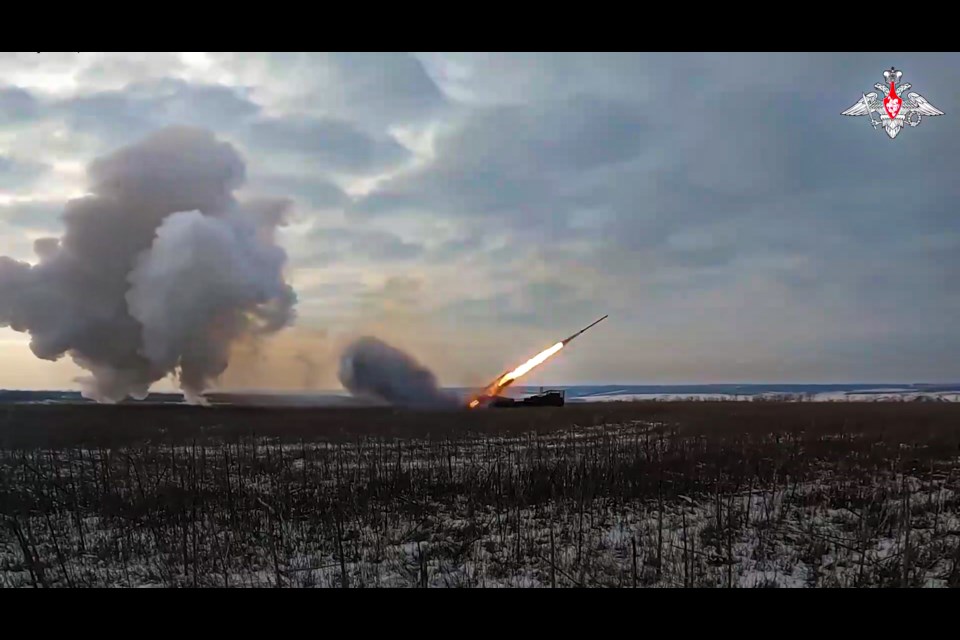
(475,208)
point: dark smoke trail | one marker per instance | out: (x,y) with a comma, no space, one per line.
(158,271)
(371,368)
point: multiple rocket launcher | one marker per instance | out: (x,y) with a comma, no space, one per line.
(492,390)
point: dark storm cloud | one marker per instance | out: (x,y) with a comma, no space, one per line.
(327,144)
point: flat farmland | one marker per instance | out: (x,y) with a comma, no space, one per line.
(656,494)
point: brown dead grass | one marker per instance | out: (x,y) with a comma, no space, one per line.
(26,426)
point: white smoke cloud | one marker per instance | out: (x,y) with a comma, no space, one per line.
(159,271)
(205,282)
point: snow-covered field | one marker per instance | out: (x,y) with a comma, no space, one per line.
(631,504)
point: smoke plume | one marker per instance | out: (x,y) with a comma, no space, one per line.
(372,368)
(159,271)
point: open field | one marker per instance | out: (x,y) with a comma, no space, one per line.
(611,494)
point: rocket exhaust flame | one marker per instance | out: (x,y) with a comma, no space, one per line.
(504,381)
(527,366)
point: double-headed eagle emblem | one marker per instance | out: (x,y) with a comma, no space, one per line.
(893,111)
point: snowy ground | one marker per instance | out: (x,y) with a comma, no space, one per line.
(619,505)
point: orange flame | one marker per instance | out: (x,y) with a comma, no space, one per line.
(529,364)
(523,369)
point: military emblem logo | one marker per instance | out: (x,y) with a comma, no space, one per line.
(893,111)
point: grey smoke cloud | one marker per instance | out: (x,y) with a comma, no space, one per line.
(374,369)
(158,272)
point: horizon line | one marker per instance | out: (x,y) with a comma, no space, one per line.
(534,386)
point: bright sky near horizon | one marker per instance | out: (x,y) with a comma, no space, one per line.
(475,208)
